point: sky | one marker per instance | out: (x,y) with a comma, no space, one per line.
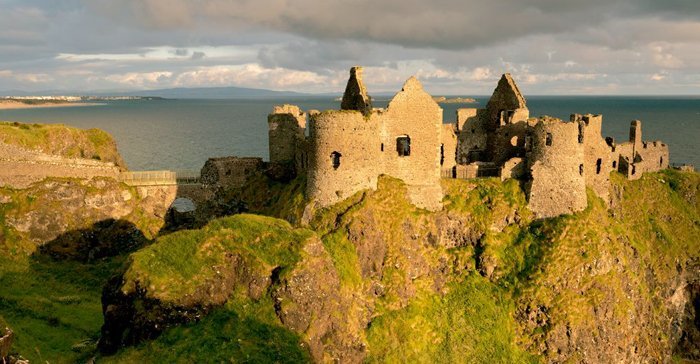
(455,47)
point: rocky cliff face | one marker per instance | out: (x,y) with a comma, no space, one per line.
(375,279)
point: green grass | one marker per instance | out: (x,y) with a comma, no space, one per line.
(555,263)
(177,264)
(242,331)
(61,140)
(473,322)
(53,307)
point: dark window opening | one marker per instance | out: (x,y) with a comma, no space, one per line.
(634,169)
(597,166)
(442,154)
(403,146)
(580,169)
(335,159)
(548,139)
(382,147)
(614,164)
(580,133)
(661,161)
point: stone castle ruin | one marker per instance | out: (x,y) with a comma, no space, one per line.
(344,151)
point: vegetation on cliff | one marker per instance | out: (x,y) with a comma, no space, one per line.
(62,140)
(375,279)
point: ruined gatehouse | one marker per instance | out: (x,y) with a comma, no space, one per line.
(345,151)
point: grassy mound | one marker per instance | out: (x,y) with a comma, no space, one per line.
(177,264)
(61,140)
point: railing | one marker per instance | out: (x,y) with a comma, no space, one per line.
(187,176)
(448,172)
(148,178)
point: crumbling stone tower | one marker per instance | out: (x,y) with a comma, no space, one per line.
(556,162)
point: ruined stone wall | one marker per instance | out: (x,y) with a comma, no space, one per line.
(287,125)
(472,137)
(230,171)
(355,96)
(464,116)
(356,140)
(555,161)
(414,113)
(515,167)
(507,142)
(597,163)
(448,142)
(637,157)
(19,167)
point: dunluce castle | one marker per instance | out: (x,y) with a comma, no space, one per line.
(344,151)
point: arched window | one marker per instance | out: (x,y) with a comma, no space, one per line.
(403,146)
(335,159)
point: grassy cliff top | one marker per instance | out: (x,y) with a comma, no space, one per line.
(176,264)
(62,140)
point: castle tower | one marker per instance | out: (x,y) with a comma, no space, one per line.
(343,156)
(556,162)
(355,96)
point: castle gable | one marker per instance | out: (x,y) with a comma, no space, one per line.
(412,93)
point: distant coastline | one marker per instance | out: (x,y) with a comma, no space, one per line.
(27,104)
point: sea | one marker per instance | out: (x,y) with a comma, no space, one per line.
(178,134)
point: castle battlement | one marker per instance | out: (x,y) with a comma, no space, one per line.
(344,151)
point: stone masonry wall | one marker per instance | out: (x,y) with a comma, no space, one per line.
(355,139)
(230,171)
(557,185)
(448,141)
(597,159)
(637,157)
(286,130)
(414,113)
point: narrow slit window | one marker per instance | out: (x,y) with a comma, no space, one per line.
(580,169)
(548,140)
(403,146)
(442,154)
(335,159)
(381,147)
(598,165)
